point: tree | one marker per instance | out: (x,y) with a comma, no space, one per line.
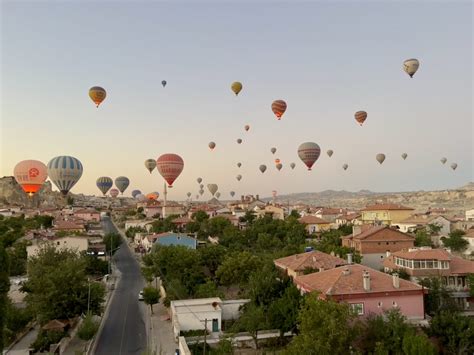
(112,241)
(294,214)
(422,238)
(455,241)
(252,320)
(236,268)
(438,297)
(325,328)
(88,328)
(95,266)
(455,332)
(283,312)
(470,282)
(211,257)
(151,296)
(17,255)
(208,289)
(414,344)
(263,286)
(199,216)
(4,288)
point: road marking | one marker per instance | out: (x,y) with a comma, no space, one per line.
(123,328)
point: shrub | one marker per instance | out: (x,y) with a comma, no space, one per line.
(88,328)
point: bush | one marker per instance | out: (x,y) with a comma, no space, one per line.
(46,338)
(88,328)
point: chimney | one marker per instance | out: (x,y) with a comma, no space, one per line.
(366,280)
(356,230)
(349,258)
(257,197)
(346,271)
(396,280)
(242,198)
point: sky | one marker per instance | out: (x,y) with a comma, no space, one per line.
(327,60)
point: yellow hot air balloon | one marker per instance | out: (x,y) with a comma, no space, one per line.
(97,94)
(236,87)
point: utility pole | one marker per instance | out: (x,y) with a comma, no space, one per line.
(88,296)
(205,334)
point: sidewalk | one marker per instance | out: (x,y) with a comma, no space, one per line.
(161,337)
(21,348)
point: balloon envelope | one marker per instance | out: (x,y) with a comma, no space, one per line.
(238,177)
(239,141)
(212,188)
(239,165)
(380,157)
(360,116)
(150,164)
(163,82)
(246,127)
(262,168)
(292,165)
(114,192)
(309,152)
(236,87)
(232,193)
(454,166)
(218,194)
(273,150)
(199,180)
(330,152)
(104,183)
(135,193)
(443,160)
(30,175)
(345,166)
(141,197)
(170,167)
(152,196)
(122,183)
(97,94)
(404,156)
(279,166)
(411,66)
(64,172)
(212,145)
(201,192)
(188,194)
(279,108)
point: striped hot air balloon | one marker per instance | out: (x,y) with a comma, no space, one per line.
(135,193)
(122,183)
(279,108)
(104,183)
(150,164)
(170,167)
(30,175)
(309,152)
(97,94)
(360,116)
(65,172)
(114,193)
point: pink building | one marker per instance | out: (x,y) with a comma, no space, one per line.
(367,291)
(88,215)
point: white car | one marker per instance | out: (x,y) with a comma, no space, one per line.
(140,296)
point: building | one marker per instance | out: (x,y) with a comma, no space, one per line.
(470,215)
(171,208)
(350,218)
(203,313)
(385,213)
(142,223)
(88,215)
(276,212)
(425,262)
(366,290)
(68,226)
(373,243)
(329,214)
(315,224)
(417,221)
(152,209)
(77,243)
(299,264)
(182,222)
(172,238)
(469,236)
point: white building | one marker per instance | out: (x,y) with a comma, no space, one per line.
(139,223)
(414,222)
(470,215)
(192,314)
(76,243)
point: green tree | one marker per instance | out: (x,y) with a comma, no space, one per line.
(455,241)
(438,297)
(252,320)
(455,332)
(283,312)
(325,328)
(4,288)
(294,214)
(414,344)
(112,241)
(199,216)
(236,268)
(88,328)
(470,282)
(45,338)
(151,296)
(264,286)
(433,228)
(17,255)
(422,238)
(95,266)
(208,289)
(211,257)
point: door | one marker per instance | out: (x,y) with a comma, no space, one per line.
(215,325)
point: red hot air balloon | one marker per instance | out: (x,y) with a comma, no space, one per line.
(360,117)
(170,167)
(30,175)
(309,152)
(279,108)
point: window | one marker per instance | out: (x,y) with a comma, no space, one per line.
(429,264)
(388,243)
(394,304)
(358,308)
(379,304)
(417,264)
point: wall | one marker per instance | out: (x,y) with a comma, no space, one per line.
(76,243)
(175,239)
(230,309)
(195,320)
(375,261)
(397,216)
(369,247)
(183,347)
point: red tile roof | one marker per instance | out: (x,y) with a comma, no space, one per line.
(339,282)
(313,259)
(387,206)
(312,220)
(182,220)
(383,233)
(423,254)
(65,225)
(461,266)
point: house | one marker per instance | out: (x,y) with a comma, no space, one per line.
(146,224)
(329,214)
(249,202)
(211,211)
(469,236)
(314,224)
(416,221)
(172,238)
(77,243)
(470,215)
(181,222)
(299,264)
(231,218)
(68,226)
(349,218)
(203,313)
(171,208)
(373,243)
(276,212)
(425,262)
(153,209)
(385,213)
(88,215)
(366,290)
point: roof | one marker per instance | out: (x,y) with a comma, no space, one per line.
(312,220)
(461,266)
(338,282)
(423,254)
(328,210)
(387,206)
(182,220)
(419,219)
(56,324)
(383,233)
(67,225)
(86,211)
(313,259)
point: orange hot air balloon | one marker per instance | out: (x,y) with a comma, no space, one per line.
(152,196)
(360,117)
(30,175)
(170,167)
(277,161)
(279,108)
(97,94)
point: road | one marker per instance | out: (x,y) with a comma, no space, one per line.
(124,329)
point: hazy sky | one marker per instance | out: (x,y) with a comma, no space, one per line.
(327,60)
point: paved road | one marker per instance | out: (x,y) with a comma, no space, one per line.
(124,330)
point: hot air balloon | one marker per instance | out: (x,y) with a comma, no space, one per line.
(239,165)
(152,196)
(404,156)
(279,166)
(246,127)
(277,161)
(170,167)
(239,141)
(30,175)
(212,145)
(239,177)
(292,166)
(114,193)
(330,153)
(97,94)
(135,193)
(199,180)
(273,150)
(188,194)
(279,108)
(360,117)
(201,192)
(163,82)
(232,194)
(104,183)
(122,183)
(218,194)
(150,164)
(380,158)
(141,197)
(309,152)
(262,168)
(443,160)
(201,186)
(236,87)
(411,66)
(212,188)
(345,166)
(64,172)
(274,193)
(454,166)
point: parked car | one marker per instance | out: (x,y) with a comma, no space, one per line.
(140,296)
